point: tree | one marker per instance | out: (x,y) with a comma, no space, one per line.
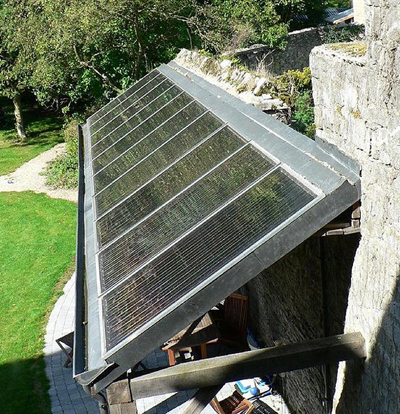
(14,72)
(79,53)
(224,25)
(229,24)
(90,50)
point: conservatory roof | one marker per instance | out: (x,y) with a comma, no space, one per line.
(188,194)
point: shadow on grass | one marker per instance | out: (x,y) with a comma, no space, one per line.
(44,131)
(24,387)
(42,128)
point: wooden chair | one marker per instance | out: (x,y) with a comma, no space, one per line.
(234,404)
(67,340)
(233,327)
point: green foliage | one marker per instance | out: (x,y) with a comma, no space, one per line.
(303,115)
(294,88)
(63,171)
(338,3)
(289,85)
(225,25)
(14,66)
(87,51)
(37,243)
(290,9)
(70,133)
(299,80)
(350,33)
(76,55)
(301,101)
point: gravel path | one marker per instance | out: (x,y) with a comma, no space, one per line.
(28,178)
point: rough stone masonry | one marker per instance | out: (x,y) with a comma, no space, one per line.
(358,109)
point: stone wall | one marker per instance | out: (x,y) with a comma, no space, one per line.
(286,307)
(359,11)
(337,257)
(358,110)
(302,297)
(295,56)
(249,87)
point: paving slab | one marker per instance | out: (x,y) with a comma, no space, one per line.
(68,397)
(65,394)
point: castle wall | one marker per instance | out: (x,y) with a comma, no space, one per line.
(296,55)
(358,109)
(359,11)
(302,297)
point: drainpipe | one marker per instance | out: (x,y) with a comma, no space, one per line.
(103,405)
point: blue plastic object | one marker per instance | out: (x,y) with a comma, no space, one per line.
(243,388)
(254,390)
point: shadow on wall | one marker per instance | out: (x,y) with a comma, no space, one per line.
(383,366)
(301,297)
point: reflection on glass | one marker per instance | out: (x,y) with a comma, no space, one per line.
(176,217)
(122,102)
(139,112)
(148,127)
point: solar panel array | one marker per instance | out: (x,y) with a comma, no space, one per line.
(178,195)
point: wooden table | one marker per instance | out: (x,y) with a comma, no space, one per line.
(200,333)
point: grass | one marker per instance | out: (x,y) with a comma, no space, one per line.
(44,131)
(352,49)
(37,241)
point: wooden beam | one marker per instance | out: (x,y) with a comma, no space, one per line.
(201,399)
(128,408)
(215,371)
(119,392)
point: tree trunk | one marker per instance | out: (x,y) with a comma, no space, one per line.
(19,122)
(141,50)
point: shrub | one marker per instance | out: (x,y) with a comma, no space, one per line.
(334,34)
(71,137)
(295,89)
(303,116)
(63,171)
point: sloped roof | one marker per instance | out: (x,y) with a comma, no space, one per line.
(189,193)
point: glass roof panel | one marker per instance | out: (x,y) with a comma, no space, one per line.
(137,113)
(200,254)
(159,135)
(185,170)
(114,104)
(141,131)
(181,213)
(124,101)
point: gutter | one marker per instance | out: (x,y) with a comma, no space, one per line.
(79,357)
(79,337)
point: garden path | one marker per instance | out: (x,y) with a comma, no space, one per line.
(28,177)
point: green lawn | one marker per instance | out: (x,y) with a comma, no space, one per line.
(37,243)
(44,132)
